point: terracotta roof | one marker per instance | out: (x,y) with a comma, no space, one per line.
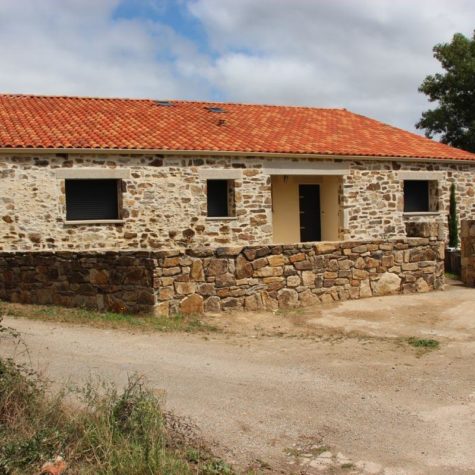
(91,123)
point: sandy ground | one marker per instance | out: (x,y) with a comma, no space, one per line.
(332,389)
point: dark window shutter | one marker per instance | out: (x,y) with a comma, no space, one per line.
(217,198)
(416,196)
(91,200)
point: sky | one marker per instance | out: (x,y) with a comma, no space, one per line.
(368,56)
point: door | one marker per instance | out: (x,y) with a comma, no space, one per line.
(309,206)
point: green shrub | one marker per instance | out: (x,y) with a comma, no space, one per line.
(97,429)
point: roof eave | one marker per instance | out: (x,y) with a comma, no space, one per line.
(127,151)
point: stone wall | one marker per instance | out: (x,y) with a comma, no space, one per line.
(164,201)
(468,252)
(112,281)
(225,278)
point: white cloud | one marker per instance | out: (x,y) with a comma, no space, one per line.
(77,47)
(369,56)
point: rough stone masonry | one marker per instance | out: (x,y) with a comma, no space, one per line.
(226,278)
(164,201)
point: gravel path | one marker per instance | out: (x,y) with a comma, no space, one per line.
(339,404)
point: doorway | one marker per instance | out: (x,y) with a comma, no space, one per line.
(309,208)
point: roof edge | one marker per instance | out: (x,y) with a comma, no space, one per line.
(227,153)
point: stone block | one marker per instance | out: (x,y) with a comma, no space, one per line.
(192,304)
(197,272)
(294,281)
(277,260)
(325,247)
(387,284)
(212,305)
(216,267)
(185,288)
(288,298)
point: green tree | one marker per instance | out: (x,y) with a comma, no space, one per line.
(453,120)
(453,219)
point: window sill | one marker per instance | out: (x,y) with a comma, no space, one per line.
(96,221)
(220,218)
(421,213)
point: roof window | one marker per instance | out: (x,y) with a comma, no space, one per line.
(215,109)
(164,103)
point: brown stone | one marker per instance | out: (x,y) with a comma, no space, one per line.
(171,262)
(162,309)
(297,257)
(325,248)
(192,304)
(184,288)
(217,266)
(294,281)
(308,298)
(387,284)
(308,278)
(212,305)
(288,298)
(197,273)
(303,265)
(166,293)
(253,302)
(268,302)
(34,237)
(244,268)
(277,260)
(225,280)
(258,263)
(422,285)
(359,274)
(98,277)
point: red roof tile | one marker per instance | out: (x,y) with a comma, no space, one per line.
(91,123)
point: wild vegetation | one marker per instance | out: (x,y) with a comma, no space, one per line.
(177,322)
(96,429)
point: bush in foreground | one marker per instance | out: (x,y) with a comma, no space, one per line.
(97,429)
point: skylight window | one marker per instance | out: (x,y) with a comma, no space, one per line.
(215,109)
(164,103)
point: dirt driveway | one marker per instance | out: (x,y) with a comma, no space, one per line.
(333,389)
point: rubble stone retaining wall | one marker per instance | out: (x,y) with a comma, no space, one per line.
(468,252)
(226,278)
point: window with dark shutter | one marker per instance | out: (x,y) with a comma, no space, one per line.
(416,196)
(92,200)
(219,199)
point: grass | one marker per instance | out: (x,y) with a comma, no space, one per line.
(94,429)
(174,323)
(110,431)
(449,275)
(424,343)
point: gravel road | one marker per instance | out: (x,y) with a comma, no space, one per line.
(344,394)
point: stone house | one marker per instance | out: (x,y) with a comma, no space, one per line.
(84,173)
(167,206)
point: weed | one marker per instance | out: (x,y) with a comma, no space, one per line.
(177,322)
(110,431)
(426,343)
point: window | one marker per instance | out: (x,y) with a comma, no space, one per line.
(88,200)
(420,196)
(220,195)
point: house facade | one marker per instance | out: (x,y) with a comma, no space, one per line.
(96,174)
(173,206)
